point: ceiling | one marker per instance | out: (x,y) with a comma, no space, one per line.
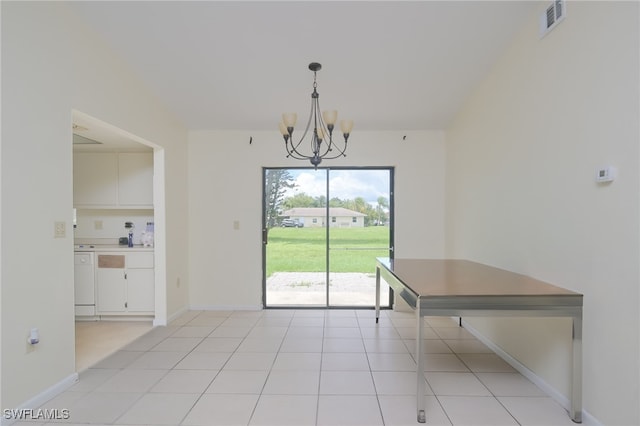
(388,65)
(92,135)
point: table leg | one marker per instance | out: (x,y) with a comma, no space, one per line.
(422,418)
(377,293)
(576,374)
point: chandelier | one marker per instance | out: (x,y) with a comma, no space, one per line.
(321,143)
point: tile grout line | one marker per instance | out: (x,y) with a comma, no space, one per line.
(324,322)
(204,391)
(482,382)
(255,407)
(375,388)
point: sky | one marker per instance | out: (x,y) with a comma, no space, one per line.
(344,184)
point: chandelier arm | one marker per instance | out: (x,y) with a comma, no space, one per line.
(328,142)
(294,147)
(332,146)
(316,143)
(340,152)
(291,152)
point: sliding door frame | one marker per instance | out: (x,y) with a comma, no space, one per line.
(264,239)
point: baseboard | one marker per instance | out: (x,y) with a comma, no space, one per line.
(116,318)
(226,308)
(186,309)
(587,419)
(177,314)
(27,407)
(157,322)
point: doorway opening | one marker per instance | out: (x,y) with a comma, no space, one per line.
(118,180)
(322,231)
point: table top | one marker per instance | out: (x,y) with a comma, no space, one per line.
(464,278)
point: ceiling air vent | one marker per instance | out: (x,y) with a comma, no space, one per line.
(552,16)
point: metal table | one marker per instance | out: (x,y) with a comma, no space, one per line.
(452,287)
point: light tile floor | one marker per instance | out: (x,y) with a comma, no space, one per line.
(96,340)
(302,367)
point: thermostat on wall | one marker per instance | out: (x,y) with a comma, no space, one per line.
(606,174)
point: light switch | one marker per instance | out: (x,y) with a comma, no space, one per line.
(59,229)
(97,225)
(236,224)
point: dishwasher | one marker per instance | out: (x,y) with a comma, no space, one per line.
(84,283)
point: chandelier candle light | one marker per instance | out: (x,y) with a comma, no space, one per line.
(322,144)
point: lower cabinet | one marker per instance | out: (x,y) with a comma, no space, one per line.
(140,290)
(125,283)
(112,289)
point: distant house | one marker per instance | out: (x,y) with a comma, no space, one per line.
(316,216)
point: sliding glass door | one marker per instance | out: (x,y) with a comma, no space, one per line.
(322,231)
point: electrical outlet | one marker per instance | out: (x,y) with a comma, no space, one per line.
(236,224)
(97,225)
(59,229)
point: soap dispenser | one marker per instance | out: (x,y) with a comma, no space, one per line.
(128,226)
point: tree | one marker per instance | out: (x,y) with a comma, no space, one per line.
(360,205)
(336,202)
(299,200)
(383,205)
(276,183)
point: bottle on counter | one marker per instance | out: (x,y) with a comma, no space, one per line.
(147,235)
(128,226)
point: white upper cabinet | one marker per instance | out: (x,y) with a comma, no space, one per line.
(113,180)
(95,178)
(135,179)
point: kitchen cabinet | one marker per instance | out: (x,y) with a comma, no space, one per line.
(135,179)
(113,180)
(125,283)
(140,290)
(95,177)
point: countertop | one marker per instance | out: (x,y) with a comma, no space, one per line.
(109,247)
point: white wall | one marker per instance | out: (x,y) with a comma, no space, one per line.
(225,185)
(521,194)
(52,65)
(112,224)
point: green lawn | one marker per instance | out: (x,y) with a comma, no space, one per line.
(304,249)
